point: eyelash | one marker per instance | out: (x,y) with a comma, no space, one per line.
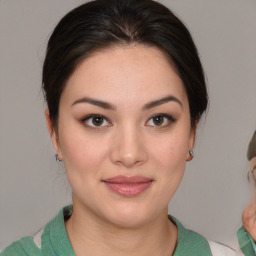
(170,119)
(85,120)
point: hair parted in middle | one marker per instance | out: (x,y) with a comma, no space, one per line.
(102,24)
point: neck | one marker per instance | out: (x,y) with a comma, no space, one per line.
(91,236)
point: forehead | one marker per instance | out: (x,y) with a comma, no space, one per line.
(125,72)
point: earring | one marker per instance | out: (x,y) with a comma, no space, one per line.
(57,158)
(191,155)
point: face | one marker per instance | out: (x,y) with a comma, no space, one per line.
(252,163)
(252,174)
(124,134)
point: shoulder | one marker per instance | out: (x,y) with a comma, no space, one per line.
(189,242)
(52,240)
(246,243)
(23,247)
(219,249)
(193,244)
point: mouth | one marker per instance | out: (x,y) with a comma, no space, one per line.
(128,186)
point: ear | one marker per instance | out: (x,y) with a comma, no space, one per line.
(192,138)
(53,135)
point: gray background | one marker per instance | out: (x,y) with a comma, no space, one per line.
(214,191)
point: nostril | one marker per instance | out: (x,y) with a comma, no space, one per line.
(129,160)
(128,148)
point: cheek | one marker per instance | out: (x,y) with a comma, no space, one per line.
(170,156)
(171,151)
(81,153)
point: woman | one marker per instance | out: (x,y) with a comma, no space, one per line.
(247,233)
(125,90)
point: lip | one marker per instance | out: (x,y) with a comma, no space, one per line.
(128,186)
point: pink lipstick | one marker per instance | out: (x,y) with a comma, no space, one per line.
(128,186)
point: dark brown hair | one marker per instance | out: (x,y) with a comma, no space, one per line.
(101,24)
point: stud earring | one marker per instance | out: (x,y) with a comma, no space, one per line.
(57,158)
(191,155)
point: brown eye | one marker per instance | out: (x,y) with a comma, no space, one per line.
(96,121)
(160,120)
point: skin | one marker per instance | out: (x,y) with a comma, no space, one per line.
(248,216)
(127,143)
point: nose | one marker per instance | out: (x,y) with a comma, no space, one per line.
(128,148)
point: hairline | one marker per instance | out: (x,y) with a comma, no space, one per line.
(110,46)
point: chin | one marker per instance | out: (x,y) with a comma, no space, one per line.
(130,216)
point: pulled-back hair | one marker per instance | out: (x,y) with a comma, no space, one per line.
(102,24)
(251,152)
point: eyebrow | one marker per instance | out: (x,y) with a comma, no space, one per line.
(161,101)
(147,106)
(95,102)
